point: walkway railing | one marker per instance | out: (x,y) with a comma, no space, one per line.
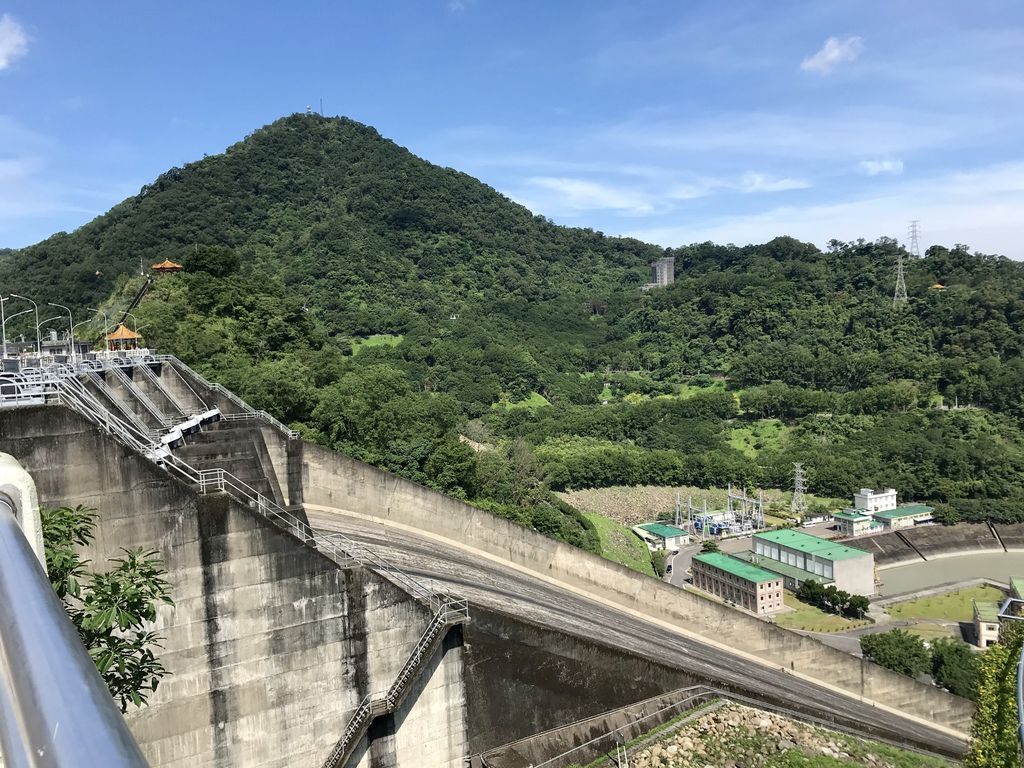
(42,659)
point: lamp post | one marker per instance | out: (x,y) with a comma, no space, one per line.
(71,329)
(3,324)
(39,348)
(133,317)
(17,314)
(106,327)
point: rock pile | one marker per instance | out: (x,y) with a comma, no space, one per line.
(735,736)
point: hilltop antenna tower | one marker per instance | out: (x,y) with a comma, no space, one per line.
(798,506)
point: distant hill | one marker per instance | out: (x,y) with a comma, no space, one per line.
(312,235)
(323,205)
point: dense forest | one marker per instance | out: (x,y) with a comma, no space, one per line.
(413,317)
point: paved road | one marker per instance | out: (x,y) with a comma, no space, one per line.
(503,588)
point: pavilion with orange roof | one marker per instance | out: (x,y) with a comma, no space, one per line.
(122,338)
(166,267)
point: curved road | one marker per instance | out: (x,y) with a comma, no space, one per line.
(509,590)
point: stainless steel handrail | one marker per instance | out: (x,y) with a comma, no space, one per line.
(54,708)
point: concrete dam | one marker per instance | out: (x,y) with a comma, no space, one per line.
(327,613)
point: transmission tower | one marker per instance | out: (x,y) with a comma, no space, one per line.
(914,231)
(798,506)
(899,298)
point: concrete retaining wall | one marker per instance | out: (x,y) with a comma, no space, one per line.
(269,644)
(335,481)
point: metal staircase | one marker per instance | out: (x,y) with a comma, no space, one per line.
(374,705)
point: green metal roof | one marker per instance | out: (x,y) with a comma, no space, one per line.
(811,545)
(986,611)
(1017,586)
(665,531)
(783,569)
(852,516)
(736,567)
(907,510)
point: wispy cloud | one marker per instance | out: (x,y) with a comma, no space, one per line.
(457,6)
(585,195)
(13,41)
(758,182)
(881,167)
(833,53)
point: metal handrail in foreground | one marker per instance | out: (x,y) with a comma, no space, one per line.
(54,708)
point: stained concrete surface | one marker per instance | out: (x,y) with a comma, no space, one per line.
(507,590)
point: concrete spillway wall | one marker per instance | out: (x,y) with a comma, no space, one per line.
(269,645)
(334,482)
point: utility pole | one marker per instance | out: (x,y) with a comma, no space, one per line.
(798,506)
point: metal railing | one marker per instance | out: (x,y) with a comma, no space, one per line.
(248,412)
(55,709)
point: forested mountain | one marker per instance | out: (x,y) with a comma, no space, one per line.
(314,238)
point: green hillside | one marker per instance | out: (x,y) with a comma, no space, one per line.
(314,238)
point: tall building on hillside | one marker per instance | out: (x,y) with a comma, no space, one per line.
(663,272)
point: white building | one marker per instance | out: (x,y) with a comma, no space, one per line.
(661,536)
(871,501)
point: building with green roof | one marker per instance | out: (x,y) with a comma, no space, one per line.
(662,536)
(855,522)
(905,516)
(850,569)
(737,581)
(792,577)
(986,623)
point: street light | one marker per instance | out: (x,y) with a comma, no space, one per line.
(71,328)
(106,326)
(18,314)
(3,324)
(39,347)
(133,317)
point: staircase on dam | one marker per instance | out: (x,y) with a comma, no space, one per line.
(450,613)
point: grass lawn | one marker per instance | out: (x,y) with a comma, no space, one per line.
(928,631)
(764,434)
(812,619)
(379,340)
(621,545)
(948,606)
(532,403)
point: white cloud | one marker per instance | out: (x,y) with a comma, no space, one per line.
(880,167)
(833,53)
(758,182)
(584,195)
(13,41)
(980,207)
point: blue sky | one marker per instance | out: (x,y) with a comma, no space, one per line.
(676,122)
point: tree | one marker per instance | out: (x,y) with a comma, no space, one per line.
(897,650)
(110,610)
(710,546)
(659,559)
(955,667)
(994,727)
